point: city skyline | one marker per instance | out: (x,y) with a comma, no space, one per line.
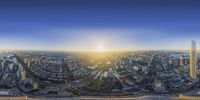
(86,25)
(100,49)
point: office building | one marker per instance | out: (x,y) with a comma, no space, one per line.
(193,71)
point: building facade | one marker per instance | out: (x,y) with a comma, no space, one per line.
(193,71)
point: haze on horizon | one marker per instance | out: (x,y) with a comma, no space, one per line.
(99,24)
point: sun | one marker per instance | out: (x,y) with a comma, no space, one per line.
(100,48)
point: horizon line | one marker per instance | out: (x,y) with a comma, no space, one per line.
(131,50)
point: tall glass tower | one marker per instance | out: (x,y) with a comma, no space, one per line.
(193,71)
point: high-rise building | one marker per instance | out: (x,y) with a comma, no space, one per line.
(193,71)
(11,67)
(181,60)
(27,62)
(184,60)
(23,75)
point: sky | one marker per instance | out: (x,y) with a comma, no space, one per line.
(86,24)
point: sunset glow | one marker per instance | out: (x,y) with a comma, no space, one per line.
(100,48)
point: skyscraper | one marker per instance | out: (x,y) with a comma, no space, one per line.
(193,71)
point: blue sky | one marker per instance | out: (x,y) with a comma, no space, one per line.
(83,24)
